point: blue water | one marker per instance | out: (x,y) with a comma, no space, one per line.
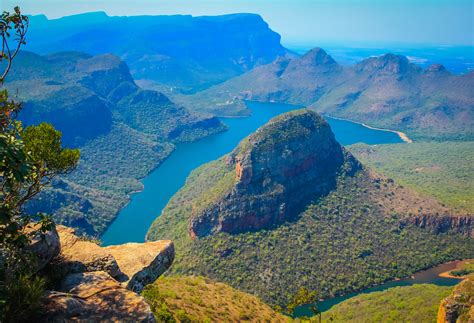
(430,276)
(160,185)
(457,59)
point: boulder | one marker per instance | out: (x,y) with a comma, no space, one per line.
(45,246)
(93,297)
(142,263)
(79,255)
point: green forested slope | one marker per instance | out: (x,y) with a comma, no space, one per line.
(122,130)
(417,304)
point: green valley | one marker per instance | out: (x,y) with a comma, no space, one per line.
(362,232)
(124,132)
(386,91)
(418,303)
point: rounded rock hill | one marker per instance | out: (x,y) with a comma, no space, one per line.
(278,170)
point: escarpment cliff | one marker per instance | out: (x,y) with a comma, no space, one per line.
(279,170)
(122,130)
(463,224)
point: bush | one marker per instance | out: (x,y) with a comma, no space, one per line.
(157,304)
(20,299)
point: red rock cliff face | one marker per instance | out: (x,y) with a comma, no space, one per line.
(286,164)
(444,223)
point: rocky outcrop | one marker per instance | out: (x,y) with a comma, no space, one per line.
(444,223)
(459,306)
(45,246)
(79,255)
(286,164)
(102,283)
(142,263)
(93,297)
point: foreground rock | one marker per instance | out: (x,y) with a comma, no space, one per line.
(142,263)
(94,296)
(459,306)
(45,246)
(101,284)
(82,256)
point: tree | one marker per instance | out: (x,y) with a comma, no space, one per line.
(305,297)
(18,24)
(29,160)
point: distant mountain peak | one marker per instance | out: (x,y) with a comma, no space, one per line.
(87,15)
(388,62)
(436,68)
(318,56)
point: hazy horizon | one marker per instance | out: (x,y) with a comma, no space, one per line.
(368,22)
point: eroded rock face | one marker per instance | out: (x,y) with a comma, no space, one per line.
(444,223)
(102,284)
(459,306)
(83,256)
(286,164)
(44,246)
(142,263)
(92,297)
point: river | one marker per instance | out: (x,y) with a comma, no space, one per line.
(429,276)
(133,221)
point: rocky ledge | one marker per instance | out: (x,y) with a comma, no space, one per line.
(96,283)
(279,170)
(463,224)
(459,306)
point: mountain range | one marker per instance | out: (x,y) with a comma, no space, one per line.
(214,64)
(387,91)
(174,53)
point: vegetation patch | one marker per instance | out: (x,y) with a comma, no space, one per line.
(346,241)
(417,303)
(199,299)
(444,170)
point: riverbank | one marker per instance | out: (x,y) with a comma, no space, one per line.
(403,136)
(459,265)
(427,276)
(133,220)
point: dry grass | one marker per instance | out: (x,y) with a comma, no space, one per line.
(203,300)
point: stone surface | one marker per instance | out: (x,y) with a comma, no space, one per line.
(44,246)
(279,169)
(459,306)
(84,256)
(444,223)
(142,263)
(92,297)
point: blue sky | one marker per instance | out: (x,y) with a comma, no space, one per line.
(298,21)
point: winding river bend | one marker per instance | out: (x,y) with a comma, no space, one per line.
(133,221)
(429,276)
